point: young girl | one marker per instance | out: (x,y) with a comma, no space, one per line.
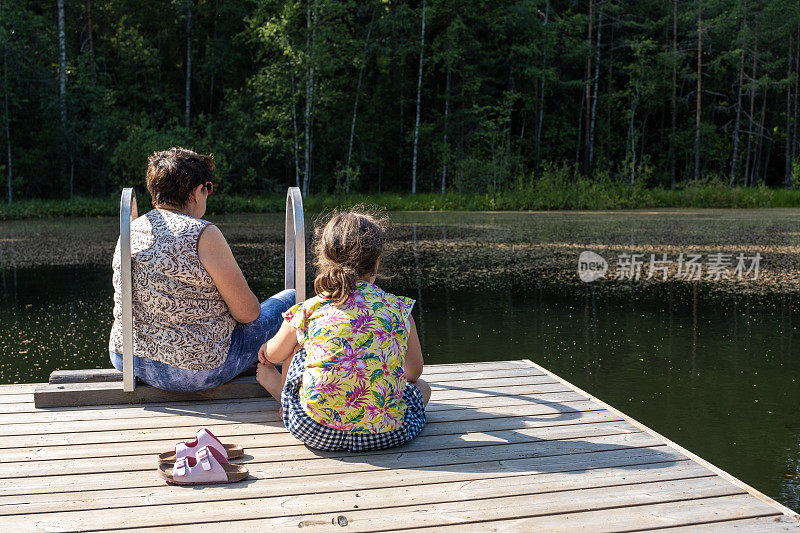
(354,383)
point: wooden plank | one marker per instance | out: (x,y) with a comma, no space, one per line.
(191,419)
(16,398)
(487,508)
(91,375)
(218,407)
(470,367)
(484,390)
(28,407)
(393,459)
(468,409)
(183,427)
(103,444)
(249,435)
(24,388)
(112,463)
(75,394)
(763,524)
(468,370)
(609,465)
(474,371)
(632,518)
(491,383)
(761,496)
(431,495)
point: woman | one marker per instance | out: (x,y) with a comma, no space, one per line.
(196,323)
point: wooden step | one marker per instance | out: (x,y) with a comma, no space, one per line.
(111,393)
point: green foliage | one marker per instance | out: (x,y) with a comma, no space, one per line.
(275,81)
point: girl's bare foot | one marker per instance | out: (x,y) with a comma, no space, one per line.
(269,378)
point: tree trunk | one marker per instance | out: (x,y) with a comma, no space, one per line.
(214,64)
(796,119)
(310,44)
(445,147)
(596,83)
(787,180)
(294,134)
(747,168)
(735,157)
(358,92)
(506,156)
(541,93)
(87,38)
(631,141)
(419,99)
(768,152)
(62,88)
(761,135)
(672,173)
(587,96)
(187,120)
(698,105)
(8,126)
(580,131)
(62,71)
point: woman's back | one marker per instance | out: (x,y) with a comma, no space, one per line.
(179,315)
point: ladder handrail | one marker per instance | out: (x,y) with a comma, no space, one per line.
(295,245)
(127,213)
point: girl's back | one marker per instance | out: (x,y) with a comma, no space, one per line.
(355,352)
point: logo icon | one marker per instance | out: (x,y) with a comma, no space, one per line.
(591,266)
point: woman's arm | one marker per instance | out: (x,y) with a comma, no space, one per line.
(280,347)
(414,363)
(217,258)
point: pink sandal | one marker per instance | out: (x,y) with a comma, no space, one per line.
(203,438)
(207,467)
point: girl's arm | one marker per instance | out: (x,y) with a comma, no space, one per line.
(280,347)
(414,363)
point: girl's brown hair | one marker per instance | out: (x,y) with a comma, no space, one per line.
(348,249)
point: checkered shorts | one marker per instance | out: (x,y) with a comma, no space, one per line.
(316,435)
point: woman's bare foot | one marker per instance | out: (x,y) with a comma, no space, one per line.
(269,378)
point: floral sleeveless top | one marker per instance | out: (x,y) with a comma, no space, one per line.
(355,352)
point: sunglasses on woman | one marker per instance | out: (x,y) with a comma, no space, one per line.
(209,186)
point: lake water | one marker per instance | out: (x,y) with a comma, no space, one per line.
(716,372)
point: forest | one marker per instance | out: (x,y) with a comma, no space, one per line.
(428,96)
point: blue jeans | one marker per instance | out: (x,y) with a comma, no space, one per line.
(246,339)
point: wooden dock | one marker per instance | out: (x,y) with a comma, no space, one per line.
(508,446)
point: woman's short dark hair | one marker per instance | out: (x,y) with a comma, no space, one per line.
(173,174)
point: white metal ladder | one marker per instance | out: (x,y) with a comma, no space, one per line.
(294,272)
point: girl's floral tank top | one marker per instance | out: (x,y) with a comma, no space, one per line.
(355,352)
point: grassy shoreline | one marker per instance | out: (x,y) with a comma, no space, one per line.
(540,195)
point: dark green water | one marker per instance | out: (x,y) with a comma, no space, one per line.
(716,374)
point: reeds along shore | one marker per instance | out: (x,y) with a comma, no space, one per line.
(543,194)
